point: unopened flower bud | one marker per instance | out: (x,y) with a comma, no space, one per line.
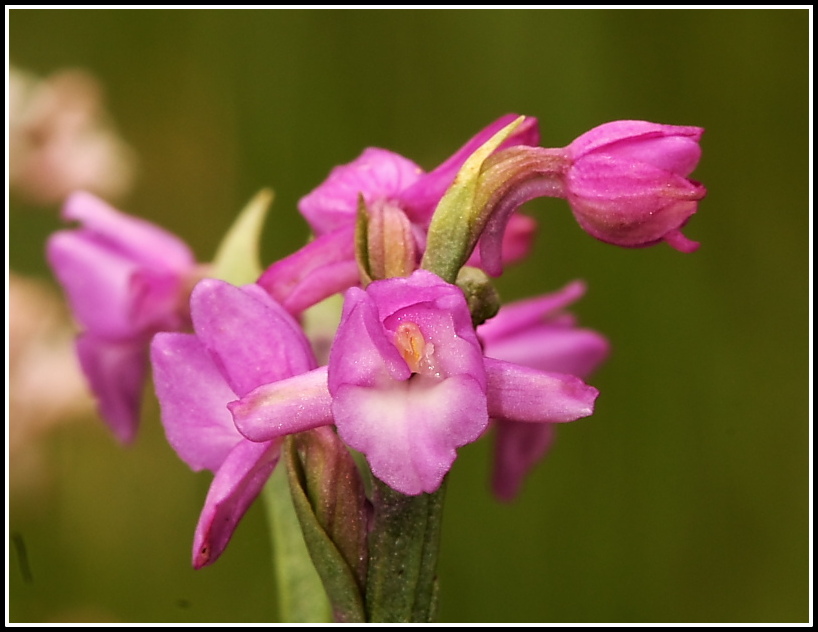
(481,296)
(336,507)
(628,185)
(385,243)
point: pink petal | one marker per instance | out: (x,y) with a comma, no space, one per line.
(522,315)
(193,397)
(127,235)
(409,431)
(236,485)
(675,154)
(675,239)
(157,302)
(96,281)
(361,353)
(323,267)
(537,333)
(555,349)
(376,173)
(619,133)
(627,186)
(518,393)
(518,447)
(116,372)
(630,204)
(250,337)
(292,405)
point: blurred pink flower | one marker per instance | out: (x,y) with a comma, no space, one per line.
(125,279)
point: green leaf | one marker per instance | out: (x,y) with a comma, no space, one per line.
(456,224)
(301,596)
(237,257)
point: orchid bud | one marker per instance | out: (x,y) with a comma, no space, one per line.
(628,185)
(626,182)
(329,499)
(385,245)
(481,296)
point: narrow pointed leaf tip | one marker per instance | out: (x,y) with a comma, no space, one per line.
(237,257)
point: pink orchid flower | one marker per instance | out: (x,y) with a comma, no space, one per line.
(538,333)
(628,182)
(407,384)
(242,339)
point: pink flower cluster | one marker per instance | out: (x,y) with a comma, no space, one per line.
(411,376)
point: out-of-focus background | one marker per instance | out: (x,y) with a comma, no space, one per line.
(685,498)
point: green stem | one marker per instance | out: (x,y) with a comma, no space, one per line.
(301,596)
(403,550)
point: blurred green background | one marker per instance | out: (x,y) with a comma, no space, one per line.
(685,498)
